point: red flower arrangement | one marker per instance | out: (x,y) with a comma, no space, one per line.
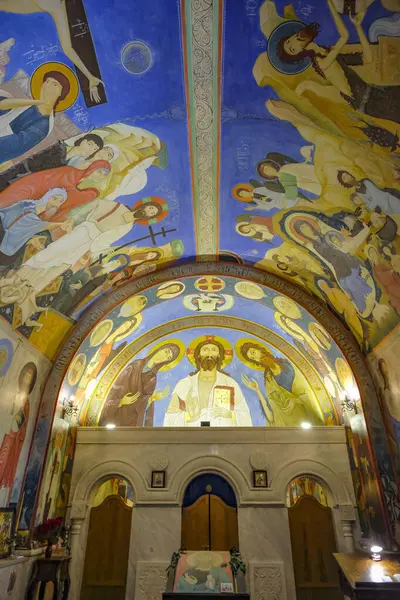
(49,530)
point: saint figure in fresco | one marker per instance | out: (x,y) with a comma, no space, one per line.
(282,408)
(340,82)
(82,187)
(208,394)
(283,174)
(13,440)
(25,122)
(130,401)
(57,10)
(5,47)
(22,220)
(369,195)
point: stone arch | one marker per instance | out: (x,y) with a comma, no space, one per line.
(336,489)
(86,486)
(209,464)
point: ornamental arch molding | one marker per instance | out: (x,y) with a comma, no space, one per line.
(343,338)
(84,489)
(338,492)
(210,464)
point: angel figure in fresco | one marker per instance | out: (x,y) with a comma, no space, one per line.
(13,441)
(339,81)
(130,401)
(282,408)
(5,47)
(58,12)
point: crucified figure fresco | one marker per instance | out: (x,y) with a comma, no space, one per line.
(57,10)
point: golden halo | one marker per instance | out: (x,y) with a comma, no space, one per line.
(132,306)
(37,82)
(76,369)
(295,330)
(287,306)
(249,290)
(228,351)
(320,336)
(162,291)
(137,319)
(239,353)
(344,373)
(101,332)
(177,360)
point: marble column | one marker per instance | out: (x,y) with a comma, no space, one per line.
(347,519)
(77,522)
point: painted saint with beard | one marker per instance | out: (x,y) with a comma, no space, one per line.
(209,393)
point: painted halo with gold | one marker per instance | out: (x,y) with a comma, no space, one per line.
(246,361)
(249,290)
(136,321)
(344,373)
(40,73)
(76,369)
(132,306)
(295,331)
(101,332)
(287,307)
(320,335)
(228,351)
(177,360)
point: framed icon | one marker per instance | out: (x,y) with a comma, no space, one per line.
(158,479)
(260,479)
(7,516)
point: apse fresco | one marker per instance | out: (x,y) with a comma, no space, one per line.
(309,151)
(94,155)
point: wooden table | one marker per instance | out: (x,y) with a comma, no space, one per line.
(362,578)
(204,596)
(48,570)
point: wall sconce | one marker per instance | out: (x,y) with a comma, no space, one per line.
(349,400)
(70,409)
(376,553)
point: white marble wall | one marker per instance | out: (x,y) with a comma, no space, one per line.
(156,521)
(14,577)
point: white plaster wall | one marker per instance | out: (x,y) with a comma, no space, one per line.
(156,522)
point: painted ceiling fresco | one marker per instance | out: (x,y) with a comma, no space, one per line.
(252,130)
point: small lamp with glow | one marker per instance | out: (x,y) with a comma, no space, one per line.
(376,553)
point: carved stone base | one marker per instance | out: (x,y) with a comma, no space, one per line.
(267,580)
(151,579)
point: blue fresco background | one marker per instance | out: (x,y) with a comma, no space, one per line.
(155,100)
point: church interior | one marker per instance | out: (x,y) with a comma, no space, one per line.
(199,299)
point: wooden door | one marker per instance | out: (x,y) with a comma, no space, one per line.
(209,523)
(313,542)
(107,551)
(195,525)
(223,525)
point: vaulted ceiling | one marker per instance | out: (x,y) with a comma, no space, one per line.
(255,132)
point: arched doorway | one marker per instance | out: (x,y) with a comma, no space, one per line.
(107,549)
(209,514)
(313,540)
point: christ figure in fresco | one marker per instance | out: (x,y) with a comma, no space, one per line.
(131,397)
(13,441)
(208,394)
